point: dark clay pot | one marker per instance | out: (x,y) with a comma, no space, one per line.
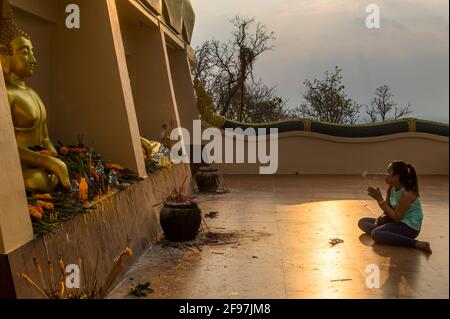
(207,179)
(180,221)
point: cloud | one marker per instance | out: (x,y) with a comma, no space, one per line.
(387,23)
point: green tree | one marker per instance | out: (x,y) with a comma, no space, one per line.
(326,101)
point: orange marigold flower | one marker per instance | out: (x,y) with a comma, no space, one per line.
(78,150)
(45,205)
(62,289)
(63,150)
(113,166)
(84,189)
(128,252)
(35,211)
(42,196)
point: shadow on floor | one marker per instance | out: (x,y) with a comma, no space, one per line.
(403,272)
(366,240)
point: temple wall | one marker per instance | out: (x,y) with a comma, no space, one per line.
(313,153)
(45,9)
(120,76)
(83,78)
(149,71)
(182,81)
(92,92)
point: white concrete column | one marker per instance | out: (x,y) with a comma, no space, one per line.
(15,222)
(151,83)
(91,92)
(183,86)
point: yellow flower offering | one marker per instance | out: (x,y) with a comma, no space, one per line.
(84,189)
(116,167)
(36,211)
(128,252)
(42,196)
(45,205)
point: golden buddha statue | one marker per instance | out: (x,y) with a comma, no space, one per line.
(149,148)
(41,171)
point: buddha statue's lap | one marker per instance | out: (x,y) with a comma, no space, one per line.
(39,179)
(41,172)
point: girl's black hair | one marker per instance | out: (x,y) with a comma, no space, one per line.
(407,176)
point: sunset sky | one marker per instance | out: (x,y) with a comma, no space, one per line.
(410,52)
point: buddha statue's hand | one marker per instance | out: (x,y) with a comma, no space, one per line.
(59,168)
(62,173)
(52,164)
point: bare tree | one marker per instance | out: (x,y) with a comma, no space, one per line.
(326,101)
(226,69)
(248,46)
(382,106)
(204,62)
(263,105)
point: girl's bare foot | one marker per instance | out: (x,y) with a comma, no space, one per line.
(423,245)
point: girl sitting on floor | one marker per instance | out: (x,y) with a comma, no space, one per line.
(402,219)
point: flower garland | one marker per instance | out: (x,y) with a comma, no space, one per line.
(91,178)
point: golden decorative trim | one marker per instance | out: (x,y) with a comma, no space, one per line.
(431,122)
(205,107)
(307,125)
(412,123)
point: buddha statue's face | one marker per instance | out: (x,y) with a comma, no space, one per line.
(22,62)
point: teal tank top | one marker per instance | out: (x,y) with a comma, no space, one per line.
(414,216)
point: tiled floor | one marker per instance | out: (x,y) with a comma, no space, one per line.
(283,226)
